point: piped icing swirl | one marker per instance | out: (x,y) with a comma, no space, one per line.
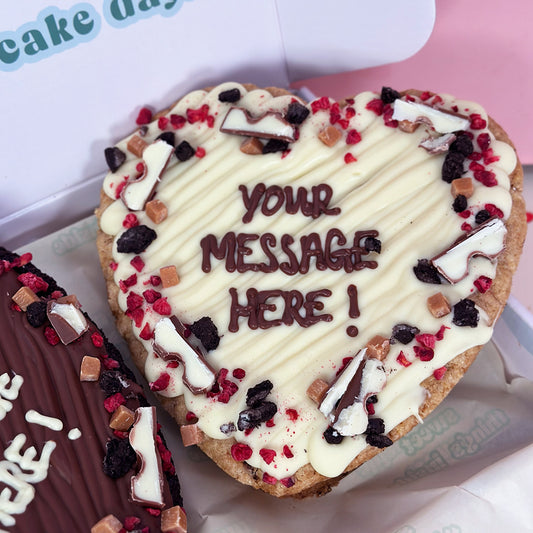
(233,224)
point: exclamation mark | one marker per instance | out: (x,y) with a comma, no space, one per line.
(353,311)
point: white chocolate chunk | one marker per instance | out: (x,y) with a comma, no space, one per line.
(197,375)
(147,485)
(441,122)
(488,241)
(438,145)
(270,125)
(70,314)
(155,157)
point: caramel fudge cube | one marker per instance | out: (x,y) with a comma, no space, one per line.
(90,368)
(438,305)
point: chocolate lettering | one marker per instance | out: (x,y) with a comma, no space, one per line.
(289,306)
(225,250)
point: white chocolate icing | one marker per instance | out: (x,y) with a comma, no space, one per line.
(34,417)
(394,187)
(9,394)
(74,434)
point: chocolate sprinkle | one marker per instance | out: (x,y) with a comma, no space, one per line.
(231,96)
(452,168)
(404,333)
(253,417)
(296,113)
(168,136)
(184,151)
(135,240)
(119,458)
(426,272)
(36,314)
(460,203)
(465,313)
(114,158)
(255,395)
(372,245)
(332,436)
(275,145)
(379,441)
(206,331)
(388,95)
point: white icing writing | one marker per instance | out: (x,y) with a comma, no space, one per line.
(8,394)
(74,434)
(33,417)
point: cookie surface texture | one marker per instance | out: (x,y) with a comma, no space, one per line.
(68,410)
(319,279)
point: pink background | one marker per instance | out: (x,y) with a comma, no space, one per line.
(479,49)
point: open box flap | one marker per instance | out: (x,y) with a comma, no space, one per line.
(65,101)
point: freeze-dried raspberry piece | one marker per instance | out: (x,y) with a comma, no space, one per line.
(424,353)
(32,281)
(137,263)
(230,95)
(483,284)
(162,307)
(388,95)
(267,478)
(321,103)
(144,116)
(287,482)
(161,383)
(150,295)
(241,452)
(353,137)
(287,452)
(477,122)
(177,121)
(426,272)
(111,403)
(349,158)
(51,336)
(135,240)
(146,333)
(97,339)
(426,339)
(465,313)
(239,373)
(130,220)
(402,360)
(114,158)
(292,414)
(404,333)
(134,301)
(267,455)
(206,331)
(375,105)
(439,373)
(119,459)
(296,113)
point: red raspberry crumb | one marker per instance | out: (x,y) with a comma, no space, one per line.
(370,408)
(130,221)
(151,296)
(131,281)
(139,167)
(241,452)
(56,294)
(120,186)
(239,373)
(190,416)
(162,123)
(134,301)
(487,177)
(153,512)
(440,334)
(97,339)
(476,166)
(287,452)
(287,482)
(345,362)
(113,402)
(270,423)
(110,364)
(375,105)
(137,263)
(494,211)
(321,103)
(146,333)
(15,307)
(489,157)
(267,478)
(483,283)
(402,360)
(388,111)
(161,383)
(292,414)
(173,364)
(267,455)
(436,100)
(162,307)
(113,265)
(349,112)
(475,156)
(349,158)
(353,137)
(136,315)
(197,115)
(426,339)
(24,259)
(529,216)
(465,214)
(477,122)
(155,281)
(131,522)
(483,141)
(35,283)
(424,353)
(144,116)
(455,109)
(350,101)
(439,373)
(51,336)
(177,121)
(409,98)
(343,123)
(120,434)
(426,95)
(210,121)
(200,152)
(465,226)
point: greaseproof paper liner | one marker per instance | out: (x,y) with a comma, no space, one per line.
(467,468)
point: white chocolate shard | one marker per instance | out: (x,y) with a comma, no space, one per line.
(440,121)
(438,145)
(197,375)
(488,240)
(147,485)
(137,193)
(269,126)
(66,318)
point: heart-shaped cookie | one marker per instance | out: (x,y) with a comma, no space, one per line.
(302,283)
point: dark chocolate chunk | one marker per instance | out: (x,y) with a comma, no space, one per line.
(184,151)
(275,145)
(332,436)
(36,314)
(404,333)
(143,130)
(296,113)
(135,240)
(255,395)
(168,136)
(253,417)
(388,95)
(231,95)
(376,426)
(463,145)
(119,458)
(460,203)
(452,168)
(110,382)
(482,216)
(379,441)
(373,245)
(426,272)
(114,158)
(372,399)
(465,313)
(206,331)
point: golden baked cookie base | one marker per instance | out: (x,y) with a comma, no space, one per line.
(308,482)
